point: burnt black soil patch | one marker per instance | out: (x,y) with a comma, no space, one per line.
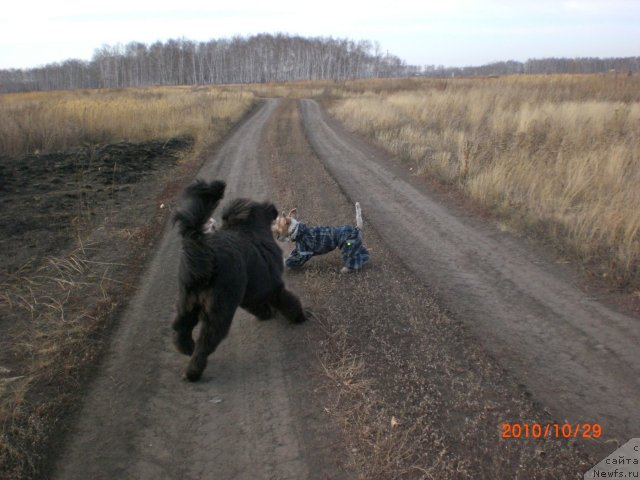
(45,199)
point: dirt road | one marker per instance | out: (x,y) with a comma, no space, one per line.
(578,357)
(254,414)
(408,391)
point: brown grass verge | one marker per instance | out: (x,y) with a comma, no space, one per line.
(380,446)
(56,339)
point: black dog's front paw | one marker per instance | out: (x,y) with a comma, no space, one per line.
(304,315)
(192,375)
(184,343)
(196,366)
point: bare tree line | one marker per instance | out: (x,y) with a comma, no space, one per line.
(264,58)
(260,58)
(539,66)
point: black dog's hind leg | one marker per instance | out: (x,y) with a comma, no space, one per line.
(184,323)
(289,305)
(261,312)
(216,321)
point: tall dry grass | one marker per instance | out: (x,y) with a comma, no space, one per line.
(559,154)
(53,121)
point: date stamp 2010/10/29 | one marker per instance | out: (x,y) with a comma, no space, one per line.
(550,430)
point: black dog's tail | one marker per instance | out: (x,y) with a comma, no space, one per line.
(196,206)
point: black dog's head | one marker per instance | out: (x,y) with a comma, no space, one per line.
(243,212)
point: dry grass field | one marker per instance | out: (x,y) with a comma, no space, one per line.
(53,121)
(558,155)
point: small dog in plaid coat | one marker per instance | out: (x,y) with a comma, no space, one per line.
(312,241)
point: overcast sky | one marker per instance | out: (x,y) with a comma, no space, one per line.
(425,32)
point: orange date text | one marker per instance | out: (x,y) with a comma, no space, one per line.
(550,430)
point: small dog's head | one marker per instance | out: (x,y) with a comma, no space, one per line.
(285,224)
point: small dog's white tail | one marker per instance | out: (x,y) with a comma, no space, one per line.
(358,216)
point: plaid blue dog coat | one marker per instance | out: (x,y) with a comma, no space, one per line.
(312,241)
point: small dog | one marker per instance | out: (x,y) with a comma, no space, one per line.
(236,265)
(311,241)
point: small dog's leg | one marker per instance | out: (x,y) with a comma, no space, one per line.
(296,259)
(289,305)
(216,321)
(354,254)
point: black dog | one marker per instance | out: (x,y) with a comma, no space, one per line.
(237,265)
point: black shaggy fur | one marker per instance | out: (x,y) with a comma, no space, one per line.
(238,265)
